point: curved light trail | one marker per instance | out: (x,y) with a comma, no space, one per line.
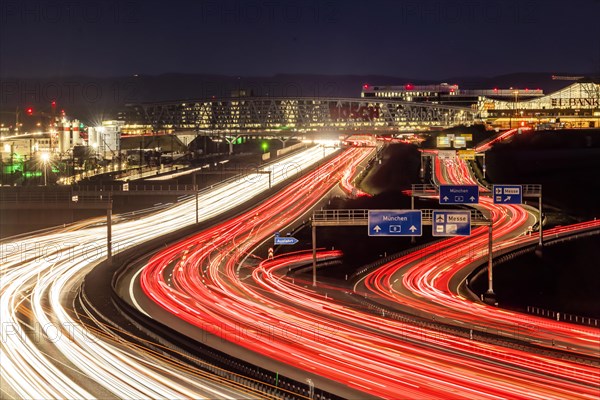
(47,352)
(422,280)
(196,280)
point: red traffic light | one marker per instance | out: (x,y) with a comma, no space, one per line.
(53,103)
(29,111)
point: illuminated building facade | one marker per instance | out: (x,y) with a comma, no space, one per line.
(575,106)
(297,114)
(442,93)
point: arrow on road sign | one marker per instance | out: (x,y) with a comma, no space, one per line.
(451,223)
(472,198)
(445,198)
(395,222)
(508,194)
(287,240)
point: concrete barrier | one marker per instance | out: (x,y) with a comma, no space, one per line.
(287,150)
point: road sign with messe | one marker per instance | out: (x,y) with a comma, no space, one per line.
(459,194)
(395,222)
(451,223)
(507,194)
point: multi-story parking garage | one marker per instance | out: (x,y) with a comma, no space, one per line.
(256,114)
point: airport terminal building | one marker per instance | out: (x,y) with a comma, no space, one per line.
(575,106)
(442,93)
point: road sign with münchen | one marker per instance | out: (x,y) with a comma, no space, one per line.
(459,194)
(395,222)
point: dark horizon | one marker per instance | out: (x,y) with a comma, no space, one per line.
(408,79)
(422,40)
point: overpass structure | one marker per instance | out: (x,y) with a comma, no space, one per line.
(286,116)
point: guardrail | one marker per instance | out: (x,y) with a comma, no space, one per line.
(473,332)
(577,319)
(361,216)
(53,197)
(345,216)
(133,188)
(425,189)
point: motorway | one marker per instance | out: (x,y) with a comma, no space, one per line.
(197,281)
(200,279)
(213,281)
(432,280)
(50,351)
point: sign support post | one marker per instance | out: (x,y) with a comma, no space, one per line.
(541,237)
(413,239)
(490,296)
(197,217)
(314,254)
(490,259)
(109,233)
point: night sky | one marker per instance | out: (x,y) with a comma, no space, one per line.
(413,38)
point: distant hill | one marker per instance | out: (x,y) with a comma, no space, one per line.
(92,99)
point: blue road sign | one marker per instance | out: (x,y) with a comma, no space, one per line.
(459,194)
(285,240)
(507,194)
(395,223)
(451,223)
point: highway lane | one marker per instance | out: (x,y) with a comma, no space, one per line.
(196,281)
(500,137)
(476,355)
(225,244)
(50,360)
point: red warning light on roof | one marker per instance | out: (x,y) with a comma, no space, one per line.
(409,86)
(366,86)
(495,89)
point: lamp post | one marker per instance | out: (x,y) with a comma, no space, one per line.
(516,93)
(45,158)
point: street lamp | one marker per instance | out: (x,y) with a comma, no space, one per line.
(516,93)
(45,158)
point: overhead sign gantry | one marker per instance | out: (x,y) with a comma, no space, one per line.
(396,223)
